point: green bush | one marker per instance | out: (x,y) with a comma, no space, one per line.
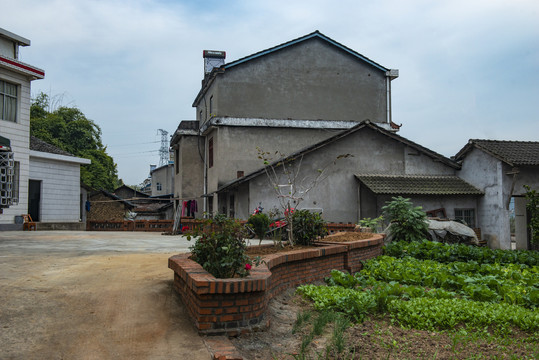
(260,223)
(532,206)
(447,253)
(408,223)
(372,224)
(220,247)
(307,227)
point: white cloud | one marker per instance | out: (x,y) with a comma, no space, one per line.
(467,69)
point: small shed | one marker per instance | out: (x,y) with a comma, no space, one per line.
(105,206)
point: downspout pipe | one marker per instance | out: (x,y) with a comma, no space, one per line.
(205,206)
(390,75)
(388,100)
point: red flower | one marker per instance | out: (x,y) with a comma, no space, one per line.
(248,266)
(185,228)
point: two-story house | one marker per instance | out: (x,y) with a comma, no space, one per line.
(15,79)
(280,99)
(36,178)
(313,99)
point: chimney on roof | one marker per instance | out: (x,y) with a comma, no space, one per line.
(213,59)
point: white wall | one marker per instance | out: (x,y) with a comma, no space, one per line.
(19,134)
(60,189)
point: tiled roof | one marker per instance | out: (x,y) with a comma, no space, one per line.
(40,145)
(417,185)
(152,207)
(514,153)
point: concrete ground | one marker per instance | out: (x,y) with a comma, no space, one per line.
(92,295)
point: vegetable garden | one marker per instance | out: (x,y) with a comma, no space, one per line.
(437,287)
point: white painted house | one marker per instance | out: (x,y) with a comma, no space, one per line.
(36,178)
(54,186)
(15,79)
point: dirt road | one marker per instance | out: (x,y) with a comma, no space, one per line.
(77,303)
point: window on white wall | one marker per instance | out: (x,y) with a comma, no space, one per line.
(159,187)
(466,215)
(8,101)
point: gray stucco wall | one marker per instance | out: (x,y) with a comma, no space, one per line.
(235,148)
(337,194)
(165,177)
(528,175)
(311,80)
(488,174)
(189,180)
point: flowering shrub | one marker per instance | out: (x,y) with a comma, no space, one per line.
(278,224)
(220,247)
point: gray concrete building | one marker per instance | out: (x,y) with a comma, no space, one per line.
(281,99)
(310,101)
(501,169)
(363,168)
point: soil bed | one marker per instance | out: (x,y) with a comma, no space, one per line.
(338,237)
(375,338)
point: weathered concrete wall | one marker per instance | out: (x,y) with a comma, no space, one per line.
(235,148)
(415,163)
(189,180)
(337,193)
(311,80)
(428,203)
(528,175)
(165,176)
(488,174)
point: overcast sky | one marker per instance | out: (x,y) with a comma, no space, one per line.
(468,69)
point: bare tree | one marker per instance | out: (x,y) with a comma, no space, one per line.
(284,176)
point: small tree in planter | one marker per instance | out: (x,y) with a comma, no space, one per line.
(308,226)
(260,224)
(220,247)
(290,188)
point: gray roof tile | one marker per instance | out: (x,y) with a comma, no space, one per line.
(417,185)
(40,145)
(514,153)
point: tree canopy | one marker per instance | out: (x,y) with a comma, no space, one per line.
(68,129)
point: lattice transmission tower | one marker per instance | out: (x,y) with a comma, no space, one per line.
(163,150)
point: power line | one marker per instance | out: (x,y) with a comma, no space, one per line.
(133,144)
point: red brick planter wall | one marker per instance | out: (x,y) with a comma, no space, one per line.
(235,306)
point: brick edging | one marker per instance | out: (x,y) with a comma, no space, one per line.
(238,305)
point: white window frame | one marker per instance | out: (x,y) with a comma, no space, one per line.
(4,95)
